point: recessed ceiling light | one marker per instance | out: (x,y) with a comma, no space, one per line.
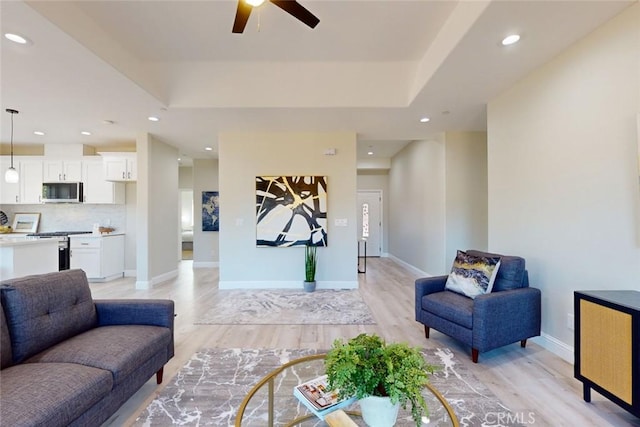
(370,153)
(38,132)
(154,119)
(16,38)
(511,39)
(84,132)
(255,3)
(424,119)
(208,148)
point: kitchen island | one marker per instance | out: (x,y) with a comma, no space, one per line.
(21,256)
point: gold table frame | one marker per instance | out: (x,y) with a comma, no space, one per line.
(269,379)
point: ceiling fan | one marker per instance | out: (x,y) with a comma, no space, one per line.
(292,7)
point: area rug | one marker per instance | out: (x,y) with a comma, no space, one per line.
(209,389)
(287,307)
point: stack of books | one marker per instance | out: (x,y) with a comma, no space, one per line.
(316,396)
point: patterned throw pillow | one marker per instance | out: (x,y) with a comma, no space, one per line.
(472,275)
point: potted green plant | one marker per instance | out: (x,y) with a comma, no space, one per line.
(310,262)
(366,366)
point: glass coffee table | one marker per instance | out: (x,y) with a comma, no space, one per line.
(271,401)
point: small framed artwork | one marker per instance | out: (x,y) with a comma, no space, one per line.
(210,211)
(26,222)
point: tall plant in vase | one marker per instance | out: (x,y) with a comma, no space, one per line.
(310,262)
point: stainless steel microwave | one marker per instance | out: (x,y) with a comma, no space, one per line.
(62,192)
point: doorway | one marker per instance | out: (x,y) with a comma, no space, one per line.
(370,220)
(186,224)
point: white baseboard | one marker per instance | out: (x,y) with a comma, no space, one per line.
(409,266)
(146,284)
(105,279)
(205,264)
(279,284)
(555,346)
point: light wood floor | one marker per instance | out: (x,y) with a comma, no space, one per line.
(535,384)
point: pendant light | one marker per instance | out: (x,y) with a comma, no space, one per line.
(11,175)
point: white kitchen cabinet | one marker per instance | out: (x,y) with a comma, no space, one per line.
(28,189)
(96,188)
(62,170)
(120,166)
(30,181)
(100,256)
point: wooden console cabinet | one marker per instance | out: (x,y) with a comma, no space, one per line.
(607,345)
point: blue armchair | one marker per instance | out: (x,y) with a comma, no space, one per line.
(511,312)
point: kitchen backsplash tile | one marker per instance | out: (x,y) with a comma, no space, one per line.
(72,217)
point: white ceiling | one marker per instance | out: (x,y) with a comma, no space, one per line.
(371,67)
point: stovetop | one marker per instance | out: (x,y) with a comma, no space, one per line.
(57,233)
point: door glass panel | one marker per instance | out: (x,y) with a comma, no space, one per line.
(365,220)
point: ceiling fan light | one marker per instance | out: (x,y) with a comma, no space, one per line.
(11,176)
(255,3)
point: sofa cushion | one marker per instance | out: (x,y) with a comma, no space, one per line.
(511,274)
(43,310)
(472,275)
(118,349)
(451,306)
(50,394)
(5,342)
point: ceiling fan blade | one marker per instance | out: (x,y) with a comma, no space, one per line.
(298,11)
(242,16)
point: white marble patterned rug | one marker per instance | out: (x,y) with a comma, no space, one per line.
(287,307)
(209,389)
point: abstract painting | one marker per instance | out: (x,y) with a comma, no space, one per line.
(291,211)
(210,211)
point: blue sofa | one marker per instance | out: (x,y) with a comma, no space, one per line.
(511,312)
(66,359)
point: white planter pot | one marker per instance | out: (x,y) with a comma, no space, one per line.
(378,411)
(309,286)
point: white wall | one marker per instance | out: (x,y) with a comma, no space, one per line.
(378,180)
(417,205)
(157,211)
(466,192)
(206,252)
(563,172)
(185,177)
(438,200)
(243,156)
(130,239)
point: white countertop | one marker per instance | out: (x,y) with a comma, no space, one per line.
(17,239)
(95,236)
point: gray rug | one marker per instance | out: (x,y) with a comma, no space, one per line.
(209,389)
(287,307)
